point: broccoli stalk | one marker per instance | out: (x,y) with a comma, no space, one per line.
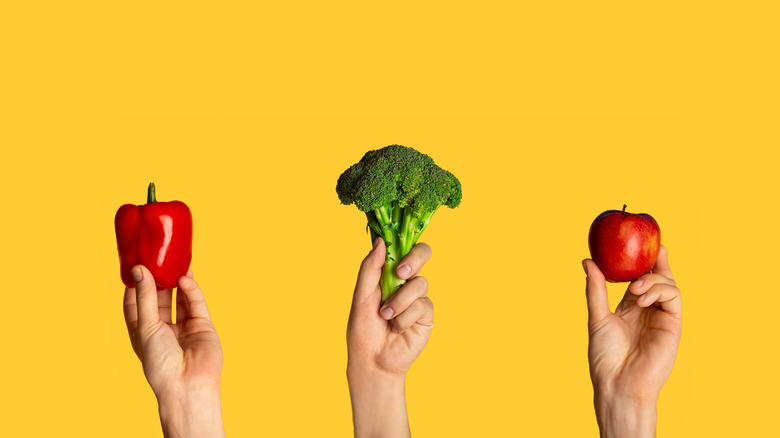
(399,189)
(400,231)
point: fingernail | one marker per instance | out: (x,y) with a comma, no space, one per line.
(404,271)
(376,242)
(585,267)
(639,282)
(386,312)
(395,329)
(137,274)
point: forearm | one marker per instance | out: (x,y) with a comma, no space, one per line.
(378,404)
(625,418)
(192,413)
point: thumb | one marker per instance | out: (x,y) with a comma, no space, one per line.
(595,292)
(370,272)
(146,298)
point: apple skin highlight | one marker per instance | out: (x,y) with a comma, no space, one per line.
(624,245)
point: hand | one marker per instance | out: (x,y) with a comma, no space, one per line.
(384,340)
(181,361)
(632,351)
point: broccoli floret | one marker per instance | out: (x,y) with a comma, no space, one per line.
(399,189)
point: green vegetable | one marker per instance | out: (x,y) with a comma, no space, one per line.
(399,189)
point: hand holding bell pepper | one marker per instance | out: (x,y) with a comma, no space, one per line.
(157,235)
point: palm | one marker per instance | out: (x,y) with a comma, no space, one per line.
(173,353)
(181,351)
(199,343)
(635,347)
(389,351)
(401,350)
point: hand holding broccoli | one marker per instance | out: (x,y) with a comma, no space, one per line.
(384,340)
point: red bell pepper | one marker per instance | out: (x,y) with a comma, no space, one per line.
(157,235)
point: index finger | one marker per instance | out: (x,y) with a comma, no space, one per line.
(411,265)
(181,302)
(193,295)
(662,263)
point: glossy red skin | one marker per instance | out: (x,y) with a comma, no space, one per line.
(157,235)
(624,245)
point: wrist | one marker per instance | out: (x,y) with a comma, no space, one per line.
(360,373)
(371,386)
(378,402)
(192,410)
(620,416)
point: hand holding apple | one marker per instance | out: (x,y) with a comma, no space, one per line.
(631,351)
(624,245)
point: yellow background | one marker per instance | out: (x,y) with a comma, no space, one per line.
(548,112)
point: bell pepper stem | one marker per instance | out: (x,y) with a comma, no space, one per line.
(151,197)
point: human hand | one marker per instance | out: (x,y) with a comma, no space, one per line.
(631,351)
(181,361)
(384,340)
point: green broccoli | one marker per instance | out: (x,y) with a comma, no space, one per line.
(399,189)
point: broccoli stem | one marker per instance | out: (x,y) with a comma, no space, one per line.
(389,282)
(400,231)
(386,221)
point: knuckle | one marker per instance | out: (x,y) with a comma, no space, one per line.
(654,279)
(660,278)
(195,302)
(187,283)
(419,304)
(655,288)
(148,330)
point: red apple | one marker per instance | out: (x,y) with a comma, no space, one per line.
(624,245)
